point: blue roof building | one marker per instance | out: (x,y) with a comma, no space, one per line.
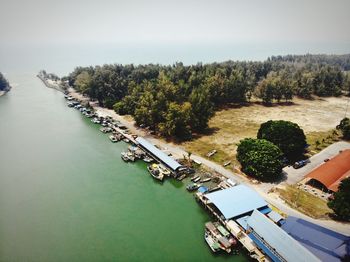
(322,242)
(275,242)
(237,201)
(158,154)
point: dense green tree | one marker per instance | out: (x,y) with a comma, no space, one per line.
(83,82)
(177,121)
(146,91)
(202,108)
(265,90)
(260,158)
(340,203)
(344,127)
(288,136)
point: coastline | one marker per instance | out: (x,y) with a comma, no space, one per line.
(50,83)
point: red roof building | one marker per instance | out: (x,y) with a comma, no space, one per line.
(331,173)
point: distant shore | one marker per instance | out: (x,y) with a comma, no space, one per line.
(51,83)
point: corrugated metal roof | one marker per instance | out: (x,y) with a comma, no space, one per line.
(287,247)
(233,227)
(170,162)
(324,243)
(236,201)
(274,216)
(333,171)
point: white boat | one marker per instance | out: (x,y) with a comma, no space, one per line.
(147,159)
(211,153)
(113,138)
(214,245)
(164,170)
(155,172)
(195,177)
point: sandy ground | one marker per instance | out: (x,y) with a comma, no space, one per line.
(229,126)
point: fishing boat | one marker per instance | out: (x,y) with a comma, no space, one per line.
(127,156)
(148,159)
(164,170)
(131,156)
(126,140)
(194,178)
(113,138)
(214,245)
(197,179)
(205,180)
(211,153)
(155,172)
(106,129)
(227,163)
(180,178)
(192,187)
(124,156)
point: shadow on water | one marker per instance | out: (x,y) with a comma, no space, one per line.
(176,183)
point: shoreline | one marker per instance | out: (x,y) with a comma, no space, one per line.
(178,152)
(53,85)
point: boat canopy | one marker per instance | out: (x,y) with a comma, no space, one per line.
(160,155)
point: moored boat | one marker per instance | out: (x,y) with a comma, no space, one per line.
(106,129)
(155,172)
(113,138)
(194,178)
(213,244)
(148,159)
(124,156)
(164,170)
(192,187)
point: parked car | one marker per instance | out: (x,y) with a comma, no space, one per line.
(300,164)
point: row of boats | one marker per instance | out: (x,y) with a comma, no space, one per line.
(218,238)
(196,180)
(157,171)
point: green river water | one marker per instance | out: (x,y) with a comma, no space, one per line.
(66,195)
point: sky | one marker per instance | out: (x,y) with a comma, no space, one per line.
(174,22)
(86,32)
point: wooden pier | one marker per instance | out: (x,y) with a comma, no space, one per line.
(235,230)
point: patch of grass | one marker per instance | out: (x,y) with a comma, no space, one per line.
(204,148)
(304,202)
(320,140)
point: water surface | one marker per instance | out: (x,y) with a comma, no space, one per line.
(66,195)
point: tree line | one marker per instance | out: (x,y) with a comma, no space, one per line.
(177,100)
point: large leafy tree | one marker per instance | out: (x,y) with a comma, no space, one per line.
(260,158)
(146,91)
(344,127)
(177,121)
(288,136)
(341,201)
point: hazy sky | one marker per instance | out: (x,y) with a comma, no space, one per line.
(26,22)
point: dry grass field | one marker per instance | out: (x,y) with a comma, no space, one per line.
(304,202)
(317,118)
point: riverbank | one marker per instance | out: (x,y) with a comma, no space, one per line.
(57,85)
(178,152)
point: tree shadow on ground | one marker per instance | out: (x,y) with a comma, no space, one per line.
(275,180)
